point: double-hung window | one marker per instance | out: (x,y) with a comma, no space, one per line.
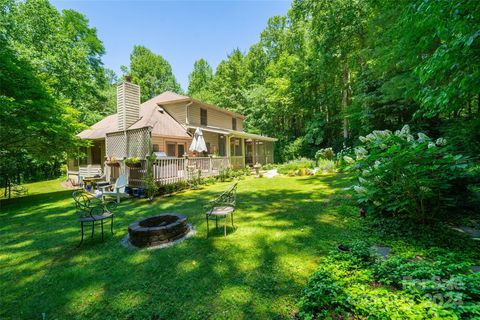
(203,117)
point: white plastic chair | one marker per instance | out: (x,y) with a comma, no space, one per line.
(118,189)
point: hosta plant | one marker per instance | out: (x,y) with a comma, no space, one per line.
(402,173)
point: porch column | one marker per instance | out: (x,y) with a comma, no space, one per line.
(227,148)
(243,152)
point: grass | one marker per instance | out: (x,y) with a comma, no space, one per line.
(35,188)
(284,226)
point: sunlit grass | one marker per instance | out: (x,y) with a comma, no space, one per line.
(283,226)
(42,187)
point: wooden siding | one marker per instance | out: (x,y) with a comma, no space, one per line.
(128,104)
(215,118)
(161,141)
(211,139)
(190,115)
(178,112)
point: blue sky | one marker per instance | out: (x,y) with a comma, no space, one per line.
(180,31)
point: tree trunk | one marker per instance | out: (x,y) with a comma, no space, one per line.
(345,95)
(9,188)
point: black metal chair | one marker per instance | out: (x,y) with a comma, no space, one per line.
(92,210)
(222,206)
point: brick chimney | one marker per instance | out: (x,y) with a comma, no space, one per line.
(128,104)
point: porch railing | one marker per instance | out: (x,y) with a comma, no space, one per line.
(171,170)
(174,170)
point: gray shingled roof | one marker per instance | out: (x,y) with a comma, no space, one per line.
(150,116)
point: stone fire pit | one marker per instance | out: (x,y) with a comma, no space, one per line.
(158,229)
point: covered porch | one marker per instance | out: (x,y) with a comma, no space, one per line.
(225,148)
(241,148)
(91,164)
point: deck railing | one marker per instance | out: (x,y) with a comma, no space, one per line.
(169,170)
(174,170)
(77,174)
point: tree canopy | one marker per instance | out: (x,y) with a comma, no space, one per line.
(200,77)
(51,80)
(151,72)
(330,71)
(320,76)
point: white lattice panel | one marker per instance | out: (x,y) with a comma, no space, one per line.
(132,143)
(138,142)
(116,145)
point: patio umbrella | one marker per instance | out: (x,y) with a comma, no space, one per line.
(198,143)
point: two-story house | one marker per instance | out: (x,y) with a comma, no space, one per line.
(166,124)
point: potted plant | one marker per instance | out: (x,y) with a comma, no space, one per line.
(112,162)
(133,162)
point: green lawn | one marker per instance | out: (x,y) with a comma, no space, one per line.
(284,225)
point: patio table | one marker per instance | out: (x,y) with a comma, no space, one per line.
(90,182)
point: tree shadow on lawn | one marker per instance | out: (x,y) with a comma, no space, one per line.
(255,272)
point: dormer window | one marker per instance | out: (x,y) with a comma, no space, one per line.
(203,117)
(234,123)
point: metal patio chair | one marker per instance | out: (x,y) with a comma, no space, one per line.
(222,206)
(92,210)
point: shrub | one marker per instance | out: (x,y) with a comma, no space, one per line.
(399,174)
(344,289)
(326,165)
(325,154)
(361,251)
(171,187)
(224,174)
(295,166)
(268,166)
(151,185)
(464,135)
(227,174)
(323,297)
(344,158)
(294,149)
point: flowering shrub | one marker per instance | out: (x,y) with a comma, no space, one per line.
(344,159)
(402,174)
(326,154)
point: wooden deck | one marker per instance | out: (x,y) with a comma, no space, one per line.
(174,170)
(165,171)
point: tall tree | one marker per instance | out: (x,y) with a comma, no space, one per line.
(228,83)
(152,72)
(34,124)
(51,78)
(64,52)
(331,70)
(200,77)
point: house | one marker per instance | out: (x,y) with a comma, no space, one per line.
(166,124)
